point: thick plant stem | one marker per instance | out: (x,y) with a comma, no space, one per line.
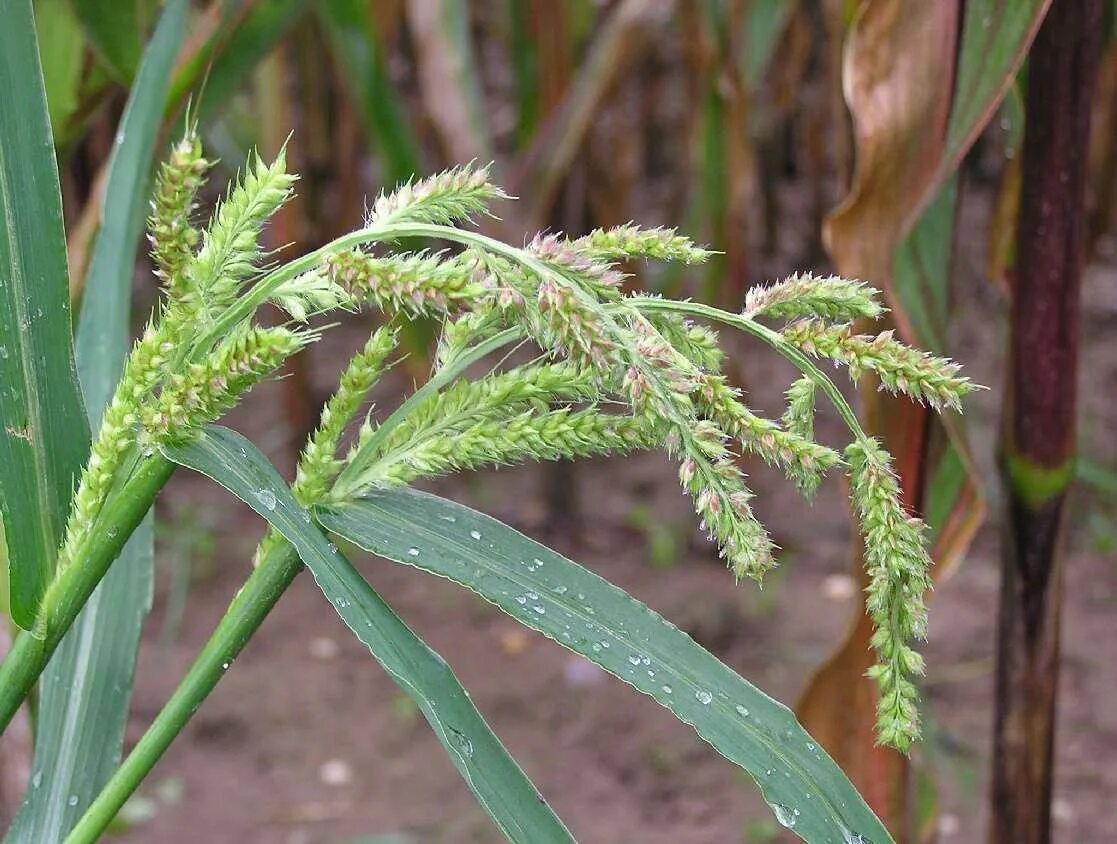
(1038,438)
(245,614)
(68,593)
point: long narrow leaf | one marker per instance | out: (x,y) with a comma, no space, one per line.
(555,596)
(43,433)
(500,786)
(88,683)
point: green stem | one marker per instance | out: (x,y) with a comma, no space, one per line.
(245,614)
(72,587)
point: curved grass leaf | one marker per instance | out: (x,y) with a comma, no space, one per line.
(88,683)
(500,786)
(43,435)
(555,596)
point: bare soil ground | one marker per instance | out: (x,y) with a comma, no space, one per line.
(307,741)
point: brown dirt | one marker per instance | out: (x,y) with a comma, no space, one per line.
(307,740)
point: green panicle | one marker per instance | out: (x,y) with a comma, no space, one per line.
(231,247)
(416,283)
(206,390)
(631,241)
(448,197)
(901,369)
(173,237)
(898,567)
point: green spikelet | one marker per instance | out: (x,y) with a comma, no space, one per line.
(173,238)
(631,241)
(208,389)
(419,284)
(898,567)
(803,294)
(901,369)
(319,463)
(447,197)
(231,245)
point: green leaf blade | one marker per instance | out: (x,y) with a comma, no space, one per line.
(88,683)
(501,788)
(43,435)
(584,613)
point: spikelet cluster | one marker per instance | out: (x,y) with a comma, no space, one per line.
(230,250)
(448,197)
(563,433)
(631,241)
(803,460)
(415,283)
(208,389)
(599,347)
(172,235)
(601,277)
(319,462)
(901,369)
(898,567)
(803,294)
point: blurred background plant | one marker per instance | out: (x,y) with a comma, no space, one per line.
(787,134)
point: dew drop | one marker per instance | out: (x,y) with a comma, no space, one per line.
(786,816)
(540,610)
(414,552)
(703,697)
(742,711)
(224,666)
(667,690)
(476,534)
(461,742)
(73,800)
(266,498)
(37,780)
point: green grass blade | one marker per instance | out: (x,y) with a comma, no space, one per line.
(88,683)
(43,433)
(500,786)
(588,615)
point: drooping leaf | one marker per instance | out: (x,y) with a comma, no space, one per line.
(88,682)
(914,121)
(500,786)
(995,38)
(43,433)
(588,615)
